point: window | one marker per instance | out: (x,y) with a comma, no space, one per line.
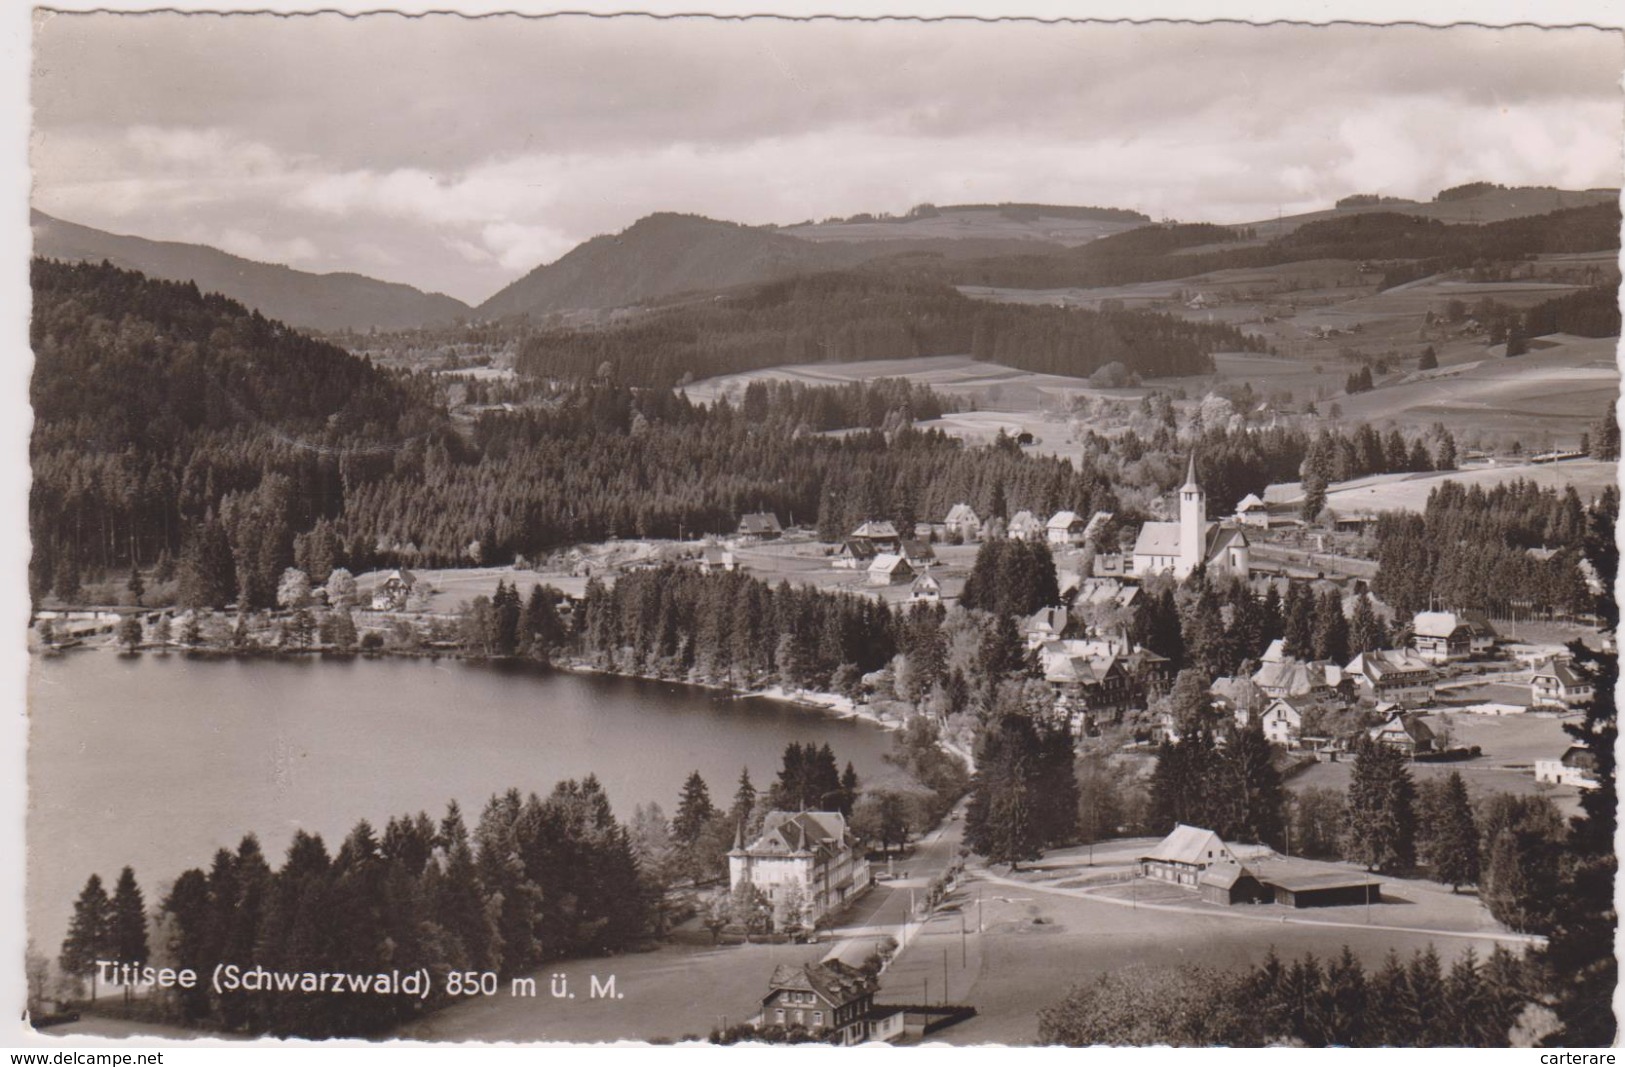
(778,1016)
(818,1018)
(800,1018)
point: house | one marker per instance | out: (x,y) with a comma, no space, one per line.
(715,560)
(1482,637)
(760,526)
(1025,526)
(889,569)
(1046,624)
(1399,675)
(926,588)
(1183,855)
(1556,683)
(856,553)
(1441,637)
(1065,528)
(1179,547)
(1253,512)
(1577,766)
(831,998)
(919,554)
(1405,731)
(1148,671)
(881,536)
(1113,565)
(812,850)
(1282,721)
(1292,678)
(394,591)
(963,522)
(1089,685)
(1240,697)
(1105,592)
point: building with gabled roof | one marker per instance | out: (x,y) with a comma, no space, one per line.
(1400,675)
(812,849)
(1065,528)
(926,588)
(394,592)
(962,521)
(888,568)
(760,526)
(1576,767)
(1184,854)
(1282,722)
(831,997)
(1252,511)
(1405,731)
(1555,683)
(1025,526)
(1046,624)
(1293,678)
(1441,636)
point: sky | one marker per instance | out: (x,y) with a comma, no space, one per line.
(457,154)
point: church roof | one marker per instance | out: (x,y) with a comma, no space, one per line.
(1190,475)
(1158,539)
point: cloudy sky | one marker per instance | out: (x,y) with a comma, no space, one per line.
(456,154)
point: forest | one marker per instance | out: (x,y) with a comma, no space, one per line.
(868,315)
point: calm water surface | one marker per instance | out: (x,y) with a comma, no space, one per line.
(157,761)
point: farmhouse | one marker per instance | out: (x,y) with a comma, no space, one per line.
(812,850)
(1555,683)
(394,591)
(1481,636)
(1180,546)
(1398,675)
(1094,684)
(1441,637)
(1280,675)
(1065,528)
(1405,731)
(926,588)
(760,526)
(963,522)
(1282,722)
(1253,512)
(919,554)
(889,569)
(1046,624)
(823,998)
(1024,526)
(1577,767)
(1183,855)
(881,536)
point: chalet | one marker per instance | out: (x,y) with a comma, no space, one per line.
(1555,683)
(812,849)
(1253,512)
(1405,731)
(881,536)
(1091,685)
(1065,528)
(716,560)
(1184,855)
(889,569)
(1441,637)
(1577,767)
(828,998)
(1046,624)
(1482,637)
(760,526)
(1025,526)
(963,522)
(1282,721)
(1292,678)
(1179,547)
(1388,674)
(394,591)
(926,588)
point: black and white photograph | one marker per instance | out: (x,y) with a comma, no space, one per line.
(698,530)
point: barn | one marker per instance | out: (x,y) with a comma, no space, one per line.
(1231,883)
(1324,890)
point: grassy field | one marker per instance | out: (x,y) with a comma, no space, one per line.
(1409,492)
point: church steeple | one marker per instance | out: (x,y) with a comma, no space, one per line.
(1190,475)
(1192,523)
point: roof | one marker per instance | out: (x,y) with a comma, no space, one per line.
(837,982)
(1581,757)
(1560,669)
(1435,624)
(1250,502)
(859,548)
(1380,663)
(1221,537)
(1411,725)
(927,584)
(1284,708)
(1295,874)
(1063,520)
(1025,520)
(1190,473)
(1158,539)
(800,831)
(1187,844)
(888,563)
(404,576)
(1046,620)
(913,549)
(961,513)
(1225,874)
(873,529)
(758,522)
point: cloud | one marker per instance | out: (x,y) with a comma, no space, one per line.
(454,154)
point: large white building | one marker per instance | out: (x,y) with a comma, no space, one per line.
(813,850)
(1178,547)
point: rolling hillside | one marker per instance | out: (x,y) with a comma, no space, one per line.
(299,298)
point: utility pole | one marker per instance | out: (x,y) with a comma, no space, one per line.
(945,976)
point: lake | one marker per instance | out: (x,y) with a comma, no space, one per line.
(157,761)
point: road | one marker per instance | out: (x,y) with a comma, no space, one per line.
(884,910)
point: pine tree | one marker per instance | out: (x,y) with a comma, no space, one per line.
(1380,828)
(1002,822)
(1449,836)
(89,933)
(1330,632)
(135,585)
(1366,631)
(744,800)
(694,811)
(1429,359)
(1256,798)
(1300,621)
(128,920)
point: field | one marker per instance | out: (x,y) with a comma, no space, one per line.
(1409,492)
(1511,744)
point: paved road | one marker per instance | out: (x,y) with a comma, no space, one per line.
(884,910)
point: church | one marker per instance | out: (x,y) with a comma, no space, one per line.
(1180,546)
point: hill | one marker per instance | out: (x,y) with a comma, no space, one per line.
(1029,222)
(299,298)
(667,255)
